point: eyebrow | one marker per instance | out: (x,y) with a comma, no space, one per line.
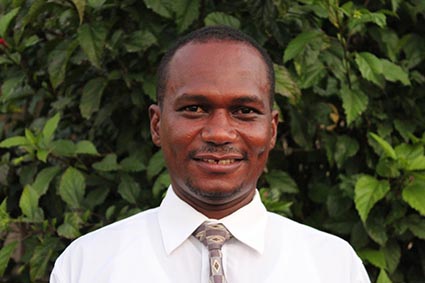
(199,98)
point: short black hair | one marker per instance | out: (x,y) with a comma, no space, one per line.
(208,34)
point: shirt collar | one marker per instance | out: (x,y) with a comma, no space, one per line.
(178,220)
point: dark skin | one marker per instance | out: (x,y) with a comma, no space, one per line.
(215,125)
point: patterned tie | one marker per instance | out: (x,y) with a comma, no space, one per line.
(213,236)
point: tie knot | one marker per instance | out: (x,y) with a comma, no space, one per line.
(212,235)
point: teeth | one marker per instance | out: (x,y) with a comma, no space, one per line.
(221,162)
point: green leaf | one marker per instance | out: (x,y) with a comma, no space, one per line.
(108,163)
(367,193)
(282,182)
(86,147)
(383,277)
(50,128)
(92,94)
(345,148)
(92,41)
(220,18)
(375,257)
(388,149)
(6,19)
(186,12)
(156,165)
(285,85)
(370,67)
(392,254)
(43,179)
(416,224)
(161,7)
(41,256)
(96,4)
(298,44)
(417,164)
(414,194)
(129,189)
(161,184)
(70,229)
(140,41)
(57,61)
(14,141)
(132,164)
(354,102)
(80,5)
(393,72)
(63,147)
(34,11)
(5,255)
(28,203)
(4,216)
(72,187)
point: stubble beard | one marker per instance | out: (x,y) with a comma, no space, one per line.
(213,196)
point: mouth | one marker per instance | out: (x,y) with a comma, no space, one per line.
(219,161)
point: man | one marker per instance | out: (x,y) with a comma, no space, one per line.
(215,124)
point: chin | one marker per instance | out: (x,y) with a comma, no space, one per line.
(213,194)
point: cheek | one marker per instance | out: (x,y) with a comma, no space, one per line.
(258,139)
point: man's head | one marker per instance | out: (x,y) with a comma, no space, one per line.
(214,33)
(215,124)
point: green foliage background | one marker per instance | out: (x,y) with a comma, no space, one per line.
(77,77)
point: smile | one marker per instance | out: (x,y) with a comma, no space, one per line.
(221,162)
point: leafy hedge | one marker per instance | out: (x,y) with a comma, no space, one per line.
(77,77)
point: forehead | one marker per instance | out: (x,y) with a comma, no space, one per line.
(218,64)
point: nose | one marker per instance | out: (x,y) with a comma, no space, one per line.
(219,129)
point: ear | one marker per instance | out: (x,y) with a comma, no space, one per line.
(155,121)
(274,123)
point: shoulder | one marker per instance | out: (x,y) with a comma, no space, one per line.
(308,238)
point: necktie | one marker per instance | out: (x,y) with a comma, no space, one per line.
(213,236)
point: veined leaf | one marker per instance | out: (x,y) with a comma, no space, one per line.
(375,257)
(383,277)
(92,94)
(86,147)
(50,128)
(131,164)
(186,12)
(388,149)
(96,4)
(156,164)
(129,189)
(297,45)
(41,256)
(161,7)
(6,19)
(282,182)
(63,147)
(57,61)
(367,193)
(70,229)
(72,187)
(92,40)
(14,141)
(80,5)
(43,179)
(414,194)
(354,103)
(370,67)
(285,85)
(140,41)
(5,255)
(108,163)
(28,203)
(393,72)
(220,18)
(161,183)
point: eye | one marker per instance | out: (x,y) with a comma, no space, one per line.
(193,108)
(245,110)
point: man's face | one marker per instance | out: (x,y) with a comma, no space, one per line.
(215,126)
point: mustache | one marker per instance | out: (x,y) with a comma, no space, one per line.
(220,149)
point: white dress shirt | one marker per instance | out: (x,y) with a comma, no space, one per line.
(157,246)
